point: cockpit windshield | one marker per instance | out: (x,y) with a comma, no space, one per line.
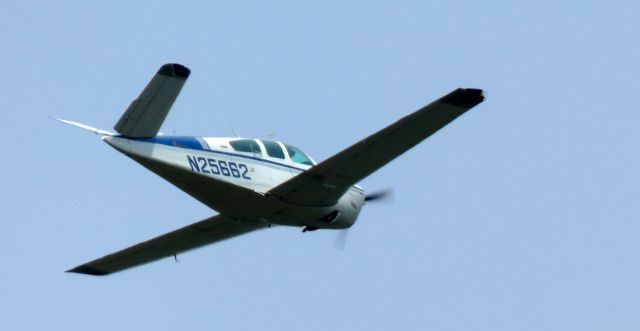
(298,156)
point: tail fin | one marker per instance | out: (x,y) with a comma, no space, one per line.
(145,115)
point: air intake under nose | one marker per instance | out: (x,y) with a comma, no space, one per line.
(331,217)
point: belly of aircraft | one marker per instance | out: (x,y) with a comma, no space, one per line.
(233,186)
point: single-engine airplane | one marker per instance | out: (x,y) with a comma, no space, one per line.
(254,183)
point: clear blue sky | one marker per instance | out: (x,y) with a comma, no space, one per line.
(521,215)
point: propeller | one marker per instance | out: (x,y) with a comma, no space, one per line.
(383,195)
(386,195)
(341,239)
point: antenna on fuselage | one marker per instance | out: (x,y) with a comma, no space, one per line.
(234,131)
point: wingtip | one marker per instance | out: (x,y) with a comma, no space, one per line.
(88,271)
(174,70)
(466,98)
(61,120)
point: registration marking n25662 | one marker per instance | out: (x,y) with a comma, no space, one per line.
(217,167)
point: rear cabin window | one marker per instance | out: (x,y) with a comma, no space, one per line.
(273,149)
(246,145)
(298,156)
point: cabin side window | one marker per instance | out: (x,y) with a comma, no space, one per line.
(246,145)
(273,149)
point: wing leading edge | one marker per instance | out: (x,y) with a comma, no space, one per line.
(325,183)
(210,230)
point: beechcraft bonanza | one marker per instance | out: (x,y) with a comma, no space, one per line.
(254,183)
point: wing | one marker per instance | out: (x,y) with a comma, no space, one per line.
(145,115)
(205,232)
(325,183)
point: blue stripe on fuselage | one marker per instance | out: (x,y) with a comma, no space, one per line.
(194,143)
(175,141)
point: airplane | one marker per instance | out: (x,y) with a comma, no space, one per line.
(254,183)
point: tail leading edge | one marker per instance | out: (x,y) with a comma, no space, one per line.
(146,113)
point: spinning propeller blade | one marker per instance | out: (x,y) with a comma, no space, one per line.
(380,195)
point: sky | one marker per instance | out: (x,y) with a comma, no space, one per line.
(522,214)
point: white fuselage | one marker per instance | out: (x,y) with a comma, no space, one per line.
(257,171)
